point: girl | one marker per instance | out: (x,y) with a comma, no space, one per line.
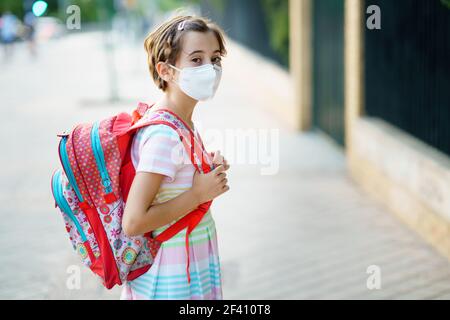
(184,57)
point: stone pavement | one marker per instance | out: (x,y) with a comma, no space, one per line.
(305,232)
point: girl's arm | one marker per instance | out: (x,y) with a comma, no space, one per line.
(141,217)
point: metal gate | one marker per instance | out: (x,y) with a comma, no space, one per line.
(328,67)
(407,68)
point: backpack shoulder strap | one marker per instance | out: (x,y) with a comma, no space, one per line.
(166,117)
(140,111)
(169,118)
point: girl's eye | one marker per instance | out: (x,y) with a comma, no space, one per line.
(196,60)
(216,60)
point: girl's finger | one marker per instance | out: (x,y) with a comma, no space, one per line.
(218,158)
(225,164)
(217,170)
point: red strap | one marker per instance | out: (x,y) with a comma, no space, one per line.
(184,222)
(110,198)
(83,205)
(91,255)
(140,111)
(108,266)
(189,221)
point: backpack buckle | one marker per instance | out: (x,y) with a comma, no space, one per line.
(63,134)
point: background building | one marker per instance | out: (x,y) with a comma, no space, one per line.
(383,95)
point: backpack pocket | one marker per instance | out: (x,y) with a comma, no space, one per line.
(99,156)
(76,223)
(67,169)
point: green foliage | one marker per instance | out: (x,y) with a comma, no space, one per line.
(219,5)
(446,3)
(17,8)
(12,5)
(277,16)
(89,9)
(169,5)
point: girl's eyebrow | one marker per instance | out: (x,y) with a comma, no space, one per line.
(201,51)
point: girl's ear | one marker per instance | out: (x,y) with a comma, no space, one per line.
(164,71)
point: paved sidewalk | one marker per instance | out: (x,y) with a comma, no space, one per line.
(306,232)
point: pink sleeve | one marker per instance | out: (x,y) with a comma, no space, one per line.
(160,151)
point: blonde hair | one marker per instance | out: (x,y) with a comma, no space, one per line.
(164,43)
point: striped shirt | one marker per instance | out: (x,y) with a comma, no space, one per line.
(158,149)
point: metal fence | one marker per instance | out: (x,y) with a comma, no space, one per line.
(407,69)
(328,67)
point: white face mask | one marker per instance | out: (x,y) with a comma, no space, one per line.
(200,83)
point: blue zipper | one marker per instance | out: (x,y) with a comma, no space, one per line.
(100,157)
(61,201)
(67,169)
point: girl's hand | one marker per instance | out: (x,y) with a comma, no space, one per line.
(218,159)
(210,185)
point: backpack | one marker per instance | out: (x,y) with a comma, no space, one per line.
(91,188)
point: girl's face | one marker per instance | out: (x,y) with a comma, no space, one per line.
(199,48)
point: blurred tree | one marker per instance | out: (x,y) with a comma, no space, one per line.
(13,6)
(90,10)
(446,3)
(277,14)
(168,5)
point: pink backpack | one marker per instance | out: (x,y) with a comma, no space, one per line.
(92,187)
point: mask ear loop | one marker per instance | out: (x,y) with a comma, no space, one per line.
(172,66)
